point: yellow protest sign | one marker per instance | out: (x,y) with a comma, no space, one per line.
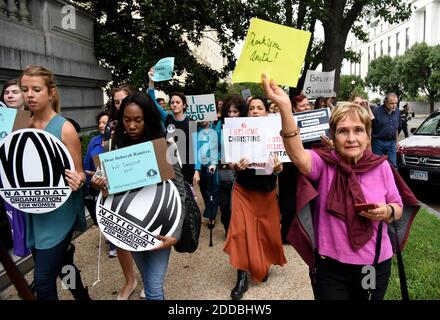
(274,49)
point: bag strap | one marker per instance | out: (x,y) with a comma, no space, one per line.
(378,243)
(402,275)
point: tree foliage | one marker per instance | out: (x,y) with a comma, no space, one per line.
(351,85)
(421,71)
(385,76)
(337,17)
(414,73)
(131,36)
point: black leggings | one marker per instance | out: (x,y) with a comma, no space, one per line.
(333,280)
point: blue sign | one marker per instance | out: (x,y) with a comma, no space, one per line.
(163,69)
(7,119)
(131,167)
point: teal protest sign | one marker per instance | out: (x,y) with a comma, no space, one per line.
(131,167)
(163,69)
(7,119)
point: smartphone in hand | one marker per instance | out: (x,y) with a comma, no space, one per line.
(364,206)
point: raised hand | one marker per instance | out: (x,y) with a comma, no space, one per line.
(275,93)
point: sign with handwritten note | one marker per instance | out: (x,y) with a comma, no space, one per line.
(274,49)
(319,84)
(163,69)
(136,166)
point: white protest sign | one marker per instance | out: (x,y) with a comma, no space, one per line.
(201,107)
(319,84)
(32,164)
(274,143)
(244,138)
(132,220)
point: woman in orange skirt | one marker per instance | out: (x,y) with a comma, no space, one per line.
(254,241)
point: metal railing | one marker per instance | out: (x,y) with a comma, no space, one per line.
(15,10)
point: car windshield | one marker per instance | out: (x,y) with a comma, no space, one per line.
(430,127)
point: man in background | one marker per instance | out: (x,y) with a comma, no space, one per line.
(386,126)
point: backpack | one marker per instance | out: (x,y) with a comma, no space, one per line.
(189,239)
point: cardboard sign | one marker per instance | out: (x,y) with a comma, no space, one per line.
(313,124)
(271,48)
(12,120)
(32,164)
(201,107)
(133,219)
(136,166)
(319,84)
(163,69)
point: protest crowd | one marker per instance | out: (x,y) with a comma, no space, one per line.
(325,182)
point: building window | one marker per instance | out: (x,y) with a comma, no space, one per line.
(381,48)
(406,39)
(374,51)
(360,62)
(397,44)
(389,46)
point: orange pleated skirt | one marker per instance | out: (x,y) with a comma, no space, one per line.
(254,237)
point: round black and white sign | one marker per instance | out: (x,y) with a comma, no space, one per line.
(32,164)
(131,220)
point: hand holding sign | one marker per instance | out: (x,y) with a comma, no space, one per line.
(163,69)
(272,48)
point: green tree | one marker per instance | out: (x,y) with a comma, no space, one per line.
(385,76)
(237,87)
(349,85)
(131,36)
(421,71)
(338,17)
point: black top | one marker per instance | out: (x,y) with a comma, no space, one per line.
(180,129)
(248,180)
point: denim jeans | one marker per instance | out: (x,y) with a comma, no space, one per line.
(48,264)
(385,147)
(153,266)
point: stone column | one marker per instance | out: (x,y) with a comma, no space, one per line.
(23,11)
(2,7)
(12,9)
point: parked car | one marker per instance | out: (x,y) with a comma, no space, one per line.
(418,156)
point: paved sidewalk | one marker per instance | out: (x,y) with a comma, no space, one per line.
(205,274)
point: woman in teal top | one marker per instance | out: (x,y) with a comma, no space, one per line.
(49,234)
